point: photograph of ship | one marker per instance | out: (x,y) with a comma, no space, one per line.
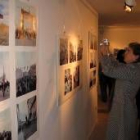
(63,51)
(68,81)
(4,22)
(72,53)
(76,76)
(4,76)
(26,24)
(25,73)
(5,125)
(27,118)
(80,50)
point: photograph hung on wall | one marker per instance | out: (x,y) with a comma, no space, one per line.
(26,24)
(68,81)
(63,50)
(72,52)
(92,41)
(92,78)
(76,76)
(5,125)
(4,76)
(27,118)
(80,50)
(25,73)
(4,22)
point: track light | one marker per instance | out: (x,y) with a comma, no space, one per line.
(129,4)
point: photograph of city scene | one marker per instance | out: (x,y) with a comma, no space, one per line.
(27,118)
(4,22)
(25,73)
(25,33)
(4,76)
(5,125)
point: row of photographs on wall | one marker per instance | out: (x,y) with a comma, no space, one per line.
(69,82)
(26,78)
(92,53)
(26,120)
(69,52)
(25,23)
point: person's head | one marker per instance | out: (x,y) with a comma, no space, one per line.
(132,53)
(120,55)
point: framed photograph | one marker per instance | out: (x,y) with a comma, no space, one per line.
(26,24)
(4,76)
(80,50)
(5,125)
(76,76)
(63,50)
(92,79)
(27,118)
(4,22)
(25,73)
(68,81)
(72,53)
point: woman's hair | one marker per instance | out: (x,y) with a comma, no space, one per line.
(135,46)
(120,56)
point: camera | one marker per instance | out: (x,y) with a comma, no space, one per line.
(106,42)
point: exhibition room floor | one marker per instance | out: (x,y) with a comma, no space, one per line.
(99,132)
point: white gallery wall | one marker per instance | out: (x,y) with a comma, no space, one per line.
(76,117)
(120,36)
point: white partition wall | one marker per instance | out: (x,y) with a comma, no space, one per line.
(31,104)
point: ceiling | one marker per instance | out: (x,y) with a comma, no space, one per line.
(111,13)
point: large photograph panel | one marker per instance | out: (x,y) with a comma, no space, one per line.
(25,73)
(4,76)
(4,22)
(26,24)
(27,118)
(5,125)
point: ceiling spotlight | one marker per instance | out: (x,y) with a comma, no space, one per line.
(129,4)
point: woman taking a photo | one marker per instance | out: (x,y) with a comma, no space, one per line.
(122,123)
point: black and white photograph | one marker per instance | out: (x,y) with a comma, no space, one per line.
(4,76)
(72,53)
(63,46)
(91,43)
(26,24)
(5,125)
(80,50)
(92,79)
(68,81)
(91,60)
(4,22)
(27,118)
(25,73)
(76,76)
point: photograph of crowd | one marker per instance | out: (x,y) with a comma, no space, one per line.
(25,73)
(4,22)
(68,81)
(72,53)
(26,24)
(92,79)
(80,50)
(4,76)
(5,125)
(27,118)
(76,76)
(63,51)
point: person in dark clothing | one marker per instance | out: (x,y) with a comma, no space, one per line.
(138,107)
(106,85)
